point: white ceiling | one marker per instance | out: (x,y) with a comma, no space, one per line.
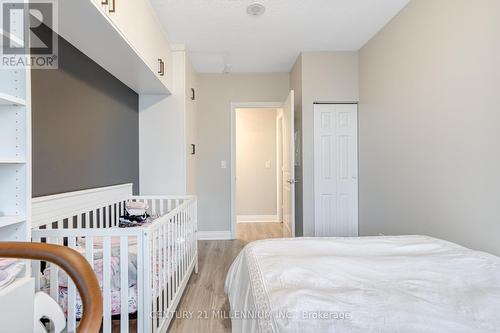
(219,32)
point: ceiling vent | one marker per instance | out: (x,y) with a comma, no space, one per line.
(256,10)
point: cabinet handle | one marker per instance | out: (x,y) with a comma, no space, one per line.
(162,67)
(112,8)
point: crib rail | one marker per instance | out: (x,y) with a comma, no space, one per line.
(142,270)
(171,250)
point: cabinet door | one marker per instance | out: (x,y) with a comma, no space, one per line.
(103,5)
(139,24)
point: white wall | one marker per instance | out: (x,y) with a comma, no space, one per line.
(215,94)
(326,77)
(430,124)
(191,127)
(256,182)
(167,127)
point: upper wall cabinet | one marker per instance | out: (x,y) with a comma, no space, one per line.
(122,36)
(138,22)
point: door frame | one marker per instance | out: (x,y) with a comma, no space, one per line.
(279,164)
(234,106)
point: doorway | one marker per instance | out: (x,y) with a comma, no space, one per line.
(336,170)
(258,189)
(249,214)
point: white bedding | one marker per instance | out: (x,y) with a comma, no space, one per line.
(366,284)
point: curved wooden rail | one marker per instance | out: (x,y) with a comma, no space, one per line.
(75,265)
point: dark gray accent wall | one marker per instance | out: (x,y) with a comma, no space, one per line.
(85,127)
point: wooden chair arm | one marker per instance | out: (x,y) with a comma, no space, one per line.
(78,269)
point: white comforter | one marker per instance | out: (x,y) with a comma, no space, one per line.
(371,284)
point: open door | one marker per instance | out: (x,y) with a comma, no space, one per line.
(288,167)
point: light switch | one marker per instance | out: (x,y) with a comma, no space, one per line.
(223,164)
(268,164)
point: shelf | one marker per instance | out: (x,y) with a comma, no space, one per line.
(102,42)
(6,99)
(10,220)
(17,283)
(12,161)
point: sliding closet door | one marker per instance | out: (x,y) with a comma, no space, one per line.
(336,170)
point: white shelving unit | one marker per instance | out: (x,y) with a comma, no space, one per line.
(15,154)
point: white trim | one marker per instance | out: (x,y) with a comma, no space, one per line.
(279,165)
(214,235)
(234,106)
(256,218)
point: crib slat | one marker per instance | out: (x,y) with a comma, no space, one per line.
(87,220)
(161,255)
(162,207)
(181,244)
(124,284)
(71,295)
(154,276)
(79,221)
(113,219)
(153,207)
(190,230)
(169,262)
(177,253)
(108,217)
(101,218)
(184,244)
(140,284)
(36,267)
(106,281)
(54,275)
(185,236)
(89,250)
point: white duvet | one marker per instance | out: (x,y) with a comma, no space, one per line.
(369,284)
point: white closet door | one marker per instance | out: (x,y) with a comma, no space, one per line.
(336,170)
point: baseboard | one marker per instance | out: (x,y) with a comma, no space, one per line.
(256,218)
(214,235)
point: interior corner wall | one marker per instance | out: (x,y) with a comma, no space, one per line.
(430,124)
(85,127)
(326,77)
(296,86)
(215,94)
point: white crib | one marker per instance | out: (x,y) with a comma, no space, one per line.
(143,271)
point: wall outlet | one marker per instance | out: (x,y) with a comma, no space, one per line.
(268,164)
(223,164)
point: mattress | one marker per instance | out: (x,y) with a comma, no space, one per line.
(365,284)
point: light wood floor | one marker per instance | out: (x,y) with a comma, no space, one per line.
(205,292)
(250,232)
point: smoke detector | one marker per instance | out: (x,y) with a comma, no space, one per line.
(256,9)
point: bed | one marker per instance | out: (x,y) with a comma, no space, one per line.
(365,284)
(142,271)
